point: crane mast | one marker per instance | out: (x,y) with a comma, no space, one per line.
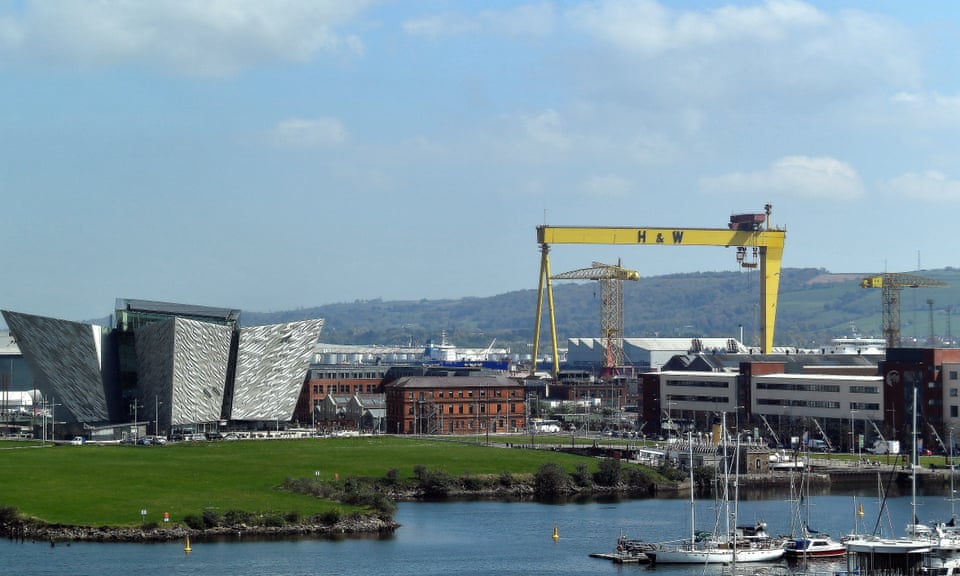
(611,280)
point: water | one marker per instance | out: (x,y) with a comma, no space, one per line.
(456,537)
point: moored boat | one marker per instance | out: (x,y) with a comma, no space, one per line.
(744,544)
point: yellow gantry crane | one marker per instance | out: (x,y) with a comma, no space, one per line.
(744,231)
(611,307)
(892,284)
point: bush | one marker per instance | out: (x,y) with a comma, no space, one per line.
(434,482)
(193,521)
(639,481)
(212,518)
(582,476)
(330,518)
(393,476)
(506,479)
(9,515)
(551,481)
(608,473)
(236,517)
(271,520)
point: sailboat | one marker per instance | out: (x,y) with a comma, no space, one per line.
(810,543)
(872,554)
(726,548)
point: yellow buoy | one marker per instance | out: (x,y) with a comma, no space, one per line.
(187,548)
(556,532)
(860,512)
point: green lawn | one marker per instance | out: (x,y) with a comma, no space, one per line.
(110,485)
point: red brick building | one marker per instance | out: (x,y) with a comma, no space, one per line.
(346,380)
(454,405)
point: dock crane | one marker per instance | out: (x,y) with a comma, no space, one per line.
(892,284)
(770,429)
(611,278)
(743,231)
(823,435)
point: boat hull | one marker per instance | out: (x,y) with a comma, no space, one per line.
(799,549)
(714,556)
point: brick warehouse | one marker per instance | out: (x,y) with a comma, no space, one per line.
(454,405)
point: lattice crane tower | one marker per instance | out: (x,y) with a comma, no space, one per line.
(611,307)
(892,284)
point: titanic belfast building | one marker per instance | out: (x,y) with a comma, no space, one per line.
(180,365)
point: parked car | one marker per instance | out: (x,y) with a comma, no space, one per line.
(77,441)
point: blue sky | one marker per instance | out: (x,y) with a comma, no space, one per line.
(274,155)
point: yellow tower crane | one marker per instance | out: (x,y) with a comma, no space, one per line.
(892,284)
(611,307)
(743,231)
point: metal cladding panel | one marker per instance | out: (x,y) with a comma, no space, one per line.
(271,367)
(65,356)
(201,354)
(154,344)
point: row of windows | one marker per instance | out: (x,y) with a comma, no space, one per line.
(799,403)
(798,387)
(864,406)
(698,384)
(482,393)
(710,399)
(318,375)
(481,408)
(864,390)
(340,388)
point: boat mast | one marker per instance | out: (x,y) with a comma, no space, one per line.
(692,511)
(914,462)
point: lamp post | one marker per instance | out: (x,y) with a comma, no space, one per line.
(670,415)
(156,416)
(853,438)
(135,405)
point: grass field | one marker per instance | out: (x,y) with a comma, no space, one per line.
(110,485)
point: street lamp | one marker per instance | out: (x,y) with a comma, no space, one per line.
(156,415)
(135,405)
(852,436)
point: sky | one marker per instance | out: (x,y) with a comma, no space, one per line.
(276,155)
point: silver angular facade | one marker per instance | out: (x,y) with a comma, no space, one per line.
(66,360)
(182,364)
(169,366)
(271,368)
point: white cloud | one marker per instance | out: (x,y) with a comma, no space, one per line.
(932,109)
(649,27)
(930,186)
(533,20)
(213,37)
(607,186)
(546,128)
(308,133)
(787,51)
(795,177)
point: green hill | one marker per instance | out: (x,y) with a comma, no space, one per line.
(814,306)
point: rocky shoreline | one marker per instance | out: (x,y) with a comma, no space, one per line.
(56,533)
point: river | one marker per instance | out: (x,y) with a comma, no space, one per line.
(474,537)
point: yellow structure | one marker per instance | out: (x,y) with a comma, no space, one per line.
(742,233)
(892,284)
(611,280)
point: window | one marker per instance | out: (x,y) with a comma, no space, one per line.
(953,392)
(953,411)
(953,375)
